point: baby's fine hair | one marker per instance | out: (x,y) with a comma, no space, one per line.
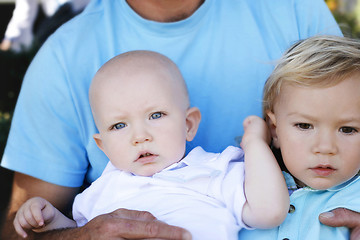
(320,61)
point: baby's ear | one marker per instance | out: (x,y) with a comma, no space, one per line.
(98,140)
(193,117)
(271,122)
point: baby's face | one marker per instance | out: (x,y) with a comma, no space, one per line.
(142,121)
(318,132)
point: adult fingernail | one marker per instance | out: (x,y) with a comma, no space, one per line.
(186,236)
(327,215)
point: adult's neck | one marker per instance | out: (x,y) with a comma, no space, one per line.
(165,10)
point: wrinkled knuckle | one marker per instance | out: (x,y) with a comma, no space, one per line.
(145,215)
(119,210)
(342,210)
(152,228)
(101,224)
(109,226)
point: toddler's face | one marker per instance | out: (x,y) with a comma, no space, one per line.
(142,123)
(318,132)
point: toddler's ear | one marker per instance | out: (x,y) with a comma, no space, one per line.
(271,122)
(193,117)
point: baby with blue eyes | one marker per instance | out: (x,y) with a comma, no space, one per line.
(142,112)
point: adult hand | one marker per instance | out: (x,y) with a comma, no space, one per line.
(131,224)
(343,217)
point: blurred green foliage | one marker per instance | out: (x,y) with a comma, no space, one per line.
(348,23)
(348,20)
(12,67)
(5,118)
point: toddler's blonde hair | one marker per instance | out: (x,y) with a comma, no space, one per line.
(320,61)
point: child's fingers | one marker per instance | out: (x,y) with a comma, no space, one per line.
(30,219)
(43,212)
(30,216)
(36,210)
(19,229)
(48,213)
(23,224)
(246,122)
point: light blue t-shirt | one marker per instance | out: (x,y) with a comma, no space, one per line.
(225,50)
(302,221)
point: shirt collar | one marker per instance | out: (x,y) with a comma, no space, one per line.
(292,186)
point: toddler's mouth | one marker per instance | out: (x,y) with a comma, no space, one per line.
(323,170)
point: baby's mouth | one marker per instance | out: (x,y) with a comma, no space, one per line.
(145,155)
(146,158)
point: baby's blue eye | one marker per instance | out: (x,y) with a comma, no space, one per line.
(119,126)
(156,115)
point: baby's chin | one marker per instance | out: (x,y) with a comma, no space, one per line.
(325,183)
(151,168)
(146,171)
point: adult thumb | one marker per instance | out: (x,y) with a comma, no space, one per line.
(340,217)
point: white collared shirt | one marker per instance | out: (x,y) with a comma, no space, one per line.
(202,193)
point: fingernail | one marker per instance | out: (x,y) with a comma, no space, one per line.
(186,236)
(327,215)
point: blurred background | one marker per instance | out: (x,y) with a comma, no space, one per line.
(15,59)
(24,26)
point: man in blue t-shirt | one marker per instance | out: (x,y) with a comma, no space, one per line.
(225,50)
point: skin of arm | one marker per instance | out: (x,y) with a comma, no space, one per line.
(120,224)
(267,197)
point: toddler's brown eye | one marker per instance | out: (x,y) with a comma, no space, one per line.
(348,130)
(304,126)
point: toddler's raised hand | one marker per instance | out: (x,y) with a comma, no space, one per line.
(255,128)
